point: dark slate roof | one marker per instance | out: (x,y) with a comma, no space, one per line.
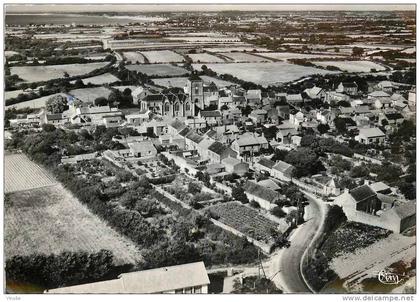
(178,125)
(196,138)
(361,193)
(154,98)
(217,147)
(406,210)
(213,113)
(266,163)
(349,84)
(184,131)
(261,191)
(393,116)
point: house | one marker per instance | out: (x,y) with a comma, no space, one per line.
(325,116)
(297,118)
(225,102)
(380,187)
(370,136)
(378,95)
(233,165)
(157,127)
(54,119)
(264,165)
(138,118)
(203,147)
(412,99)
(210,94)
(315,93)
(238,101)
(386,86)
(265,197)
(91,115)
(253,96)
(195,123)
(269,184)
(249,143)
(327,184)
(335,97)
(393,118)
(282,171)
(364,205)
(285,136)
(234,114)
(212,117)
(142,149)
(294,99)
(188,278)
(226,133)
(138,94)
(218,151)
(258,116)
(112,120)
(383,103)
(350,88)
(175,127)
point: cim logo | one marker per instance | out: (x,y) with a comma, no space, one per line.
(389,278)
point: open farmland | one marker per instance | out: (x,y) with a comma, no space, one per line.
(87,95)
(205,58)
(159,70)
(351,66)
(248,48)
(245,220)
(50,72)
(50,220)
(182,81)
(134,57)
(162,56)
(292,55)
(106,78)
(20,174)
(265,73)
(35,103)
(243,57)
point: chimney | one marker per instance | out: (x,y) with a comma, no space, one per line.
(366,182)
(346,190)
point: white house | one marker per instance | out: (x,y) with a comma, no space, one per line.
(370,135)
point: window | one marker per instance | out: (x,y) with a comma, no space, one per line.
(176,107)
(179,291)
(166,107)
(187,106)
(188,290)
(197,290)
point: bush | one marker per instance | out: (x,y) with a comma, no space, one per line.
(278,212)
(254,204)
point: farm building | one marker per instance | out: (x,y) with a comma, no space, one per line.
(265,197)
(364,205)
(142,149)
(264,165)
(188,278)
(233,165)
(212,117)
(350,88)
(315,92)
(92,115)
(218,151)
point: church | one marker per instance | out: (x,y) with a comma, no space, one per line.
(176,102)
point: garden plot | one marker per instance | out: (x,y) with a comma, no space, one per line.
(20,174)
(50,220)
(351,66)
(205,58)
(239,57)
(162,56)
(134,57)
(245,220)
(292,55)
(265,74)
(105,78)
(50,72)
(88,95)
(159,69)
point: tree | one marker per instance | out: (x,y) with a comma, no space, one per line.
(340,125)
(239,194)
(306,162)
(194,188)
(357,51)
(323,128)
(101,101)
(48,128)
(56,104)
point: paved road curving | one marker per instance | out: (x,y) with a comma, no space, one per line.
(288,260)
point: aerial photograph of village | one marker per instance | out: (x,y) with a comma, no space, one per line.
(185,149)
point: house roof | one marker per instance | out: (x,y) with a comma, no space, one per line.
(394,116)
(217,147)
(260,191)
(212,113)
(178,125)
(253,94)
(282,166)
(379,186)
(147,281)
(196,138)
(142,147)
(269,184)
(378,93)
(56,116)
(268,163)
(371,132)
(349,84)
(361,193)
(313,92)
(230,161)
(250,139)
(406,210)
(294,97)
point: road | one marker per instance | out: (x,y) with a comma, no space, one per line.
(287,261)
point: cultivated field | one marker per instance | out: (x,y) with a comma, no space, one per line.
(249,48)
(106,78)
(13,93)
(162,56)
(90,94)
(49,72)
(292,55)
(265,73)
(133,57)
(35,103)
(205,58)
(351,66)
(243,57)
(245,220)
(182,81)
(159,69)
(20,174)
(50,220)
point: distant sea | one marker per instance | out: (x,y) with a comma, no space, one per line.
(51,18)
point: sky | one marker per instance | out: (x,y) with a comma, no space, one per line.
(39,8)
